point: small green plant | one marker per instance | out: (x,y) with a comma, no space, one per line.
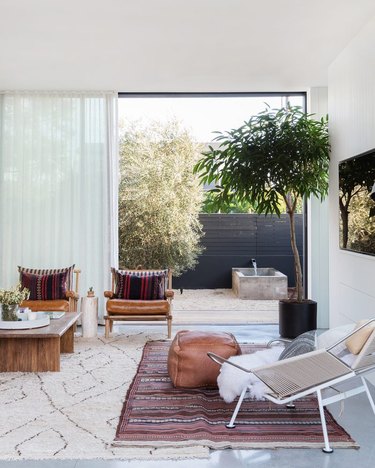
(159,198)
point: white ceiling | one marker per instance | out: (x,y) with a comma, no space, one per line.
(174,45)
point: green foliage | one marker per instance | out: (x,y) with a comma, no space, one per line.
(279,154)
(276,153)
(210,205)
(356,174)
(159,198)
(356,177)
(234,206)
(361,225)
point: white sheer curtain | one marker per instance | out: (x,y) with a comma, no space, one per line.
(58,184)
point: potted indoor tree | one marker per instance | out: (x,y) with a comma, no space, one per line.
(278,157)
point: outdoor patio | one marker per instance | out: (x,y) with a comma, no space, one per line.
(220,306)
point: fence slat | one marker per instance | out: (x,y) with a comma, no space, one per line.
(232,240)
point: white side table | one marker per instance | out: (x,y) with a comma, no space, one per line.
(89,317)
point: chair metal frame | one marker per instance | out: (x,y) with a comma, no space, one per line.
(287,382)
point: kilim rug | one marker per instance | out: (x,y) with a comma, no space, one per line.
(156,414)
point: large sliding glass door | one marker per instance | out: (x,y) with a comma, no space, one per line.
(201,115)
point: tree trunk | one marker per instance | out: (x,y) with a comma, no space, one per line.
(344,213)
(345,227)
(297,262)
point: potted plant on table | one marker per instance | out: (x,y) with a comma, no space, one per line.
(10,300)
(278,157)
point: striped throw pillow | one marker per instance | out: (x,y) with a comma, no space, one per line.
(49,284)
(140,285)
(45,287)
(51,271)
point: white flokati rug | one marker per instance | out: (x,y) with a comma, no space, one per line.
(73,414)
(232,381)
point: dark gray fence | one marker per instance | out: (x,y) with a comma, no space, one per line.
(233,240)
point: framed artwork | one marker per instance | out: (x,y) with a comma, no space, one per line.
(357,203)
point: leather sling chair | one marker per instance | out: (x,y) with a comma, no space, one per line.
(128,301)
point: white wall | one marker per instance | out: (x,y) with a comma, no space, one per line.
(351,107)
(318,234)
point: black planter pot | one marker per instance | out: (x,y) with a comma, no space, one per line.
(296,318)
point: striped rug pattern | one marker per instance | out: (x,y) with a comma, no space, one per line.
(157,414)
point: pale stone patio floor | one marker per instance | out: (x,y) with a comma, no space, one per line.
(220,306)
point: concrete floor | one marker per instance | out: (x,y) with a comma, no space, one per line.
(357,419)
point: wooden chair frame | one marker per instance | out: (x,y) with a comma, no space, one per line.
(109,319)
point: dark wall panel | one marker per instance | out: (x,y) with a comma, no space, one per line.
(232,240)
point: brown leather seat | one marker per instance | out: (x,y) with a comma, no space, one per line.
(137,309)
(61,305)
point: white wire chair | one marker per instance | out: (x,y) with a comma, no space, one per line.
(296,377)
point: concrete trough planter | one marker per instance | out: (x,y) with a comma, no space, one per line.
(268,284)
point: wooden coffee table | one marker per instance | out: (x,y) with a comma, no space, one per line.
(38,349)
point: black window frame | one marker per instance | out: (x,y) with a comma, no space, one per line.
(224,94)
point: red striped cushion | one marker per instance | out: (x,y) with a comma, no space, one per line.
(51,271)
(140,285)
(45,287)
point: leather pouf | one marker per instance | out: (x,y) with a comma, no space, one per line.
(188,363)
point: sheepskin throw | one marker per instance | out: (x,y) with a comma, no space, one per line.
(232,381)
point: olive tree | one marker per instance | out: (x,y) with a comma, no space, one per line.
(159,198)
(279,154)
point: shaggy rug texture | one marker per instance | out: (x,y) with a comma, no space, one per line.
(231,381)
(73,414)
(157,414)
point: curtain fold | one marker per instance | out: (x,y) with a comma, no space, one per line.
(58,184)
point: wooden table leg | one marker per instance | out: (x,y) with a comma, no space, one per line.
(29,354)
(67,341)
(106,326)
